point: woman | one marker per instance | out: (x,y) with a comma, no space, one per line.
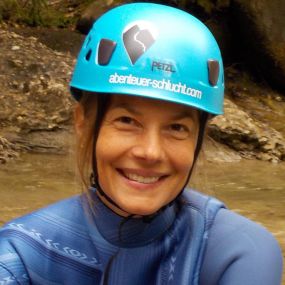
(147,79)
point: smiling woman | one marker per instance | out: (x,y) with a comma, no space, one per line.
(144,152)
(136,223)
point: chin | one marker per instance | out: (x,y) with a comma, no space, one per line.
(145,212)
(143,209)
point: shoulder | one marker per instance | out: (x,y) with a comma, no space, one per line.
(230,226)
(204,206)
(66,214)
(203,203)
(240,249)
(39,233)
(55,229)
(53,239)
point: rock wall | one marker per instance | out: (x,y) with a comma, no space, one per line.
(249,137)
(8,150)
(259,28)
(34,90)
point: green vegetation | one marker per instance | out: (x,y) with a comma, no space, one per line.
(9,10)
(35,11)
(64,13)
(41,12)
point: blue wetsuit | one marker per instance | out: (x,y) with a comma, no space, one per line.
(186,244)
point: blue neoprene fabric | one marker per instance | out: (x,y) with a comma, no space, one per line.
(188,243)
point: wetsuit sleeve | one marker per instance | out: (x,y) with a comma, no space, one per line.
(12,270)
(240,251)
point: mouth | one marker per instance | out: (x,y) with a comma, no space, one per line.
(139,177)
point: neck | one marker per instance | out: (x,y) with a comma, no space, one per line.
(130,231)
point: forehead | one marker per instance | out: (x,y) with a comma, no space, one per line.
(147,106)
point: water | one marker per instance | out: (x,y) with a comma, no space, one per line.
(253,188)
(33,182)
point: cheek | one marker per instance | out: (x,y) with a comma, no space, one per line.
(182,156)
(109,147)
(104,147)
(184,167)
(105,158)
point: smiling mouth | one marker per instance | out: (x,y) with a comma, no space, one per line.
(141,179)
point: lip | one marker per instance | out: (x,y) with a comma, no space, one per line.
(144,173)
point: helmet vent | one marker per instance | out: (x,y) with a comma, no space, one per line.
(214,70)
(105,51)
(88,54)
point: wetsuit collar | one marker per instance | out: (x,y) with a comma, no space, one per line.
(132,232)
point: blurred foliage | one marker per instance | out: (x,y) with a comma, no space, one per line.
(35,11)
(9,10)
(63,13)
(41,12)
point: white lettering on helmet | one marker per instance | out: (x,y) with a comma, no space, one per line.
(156,84)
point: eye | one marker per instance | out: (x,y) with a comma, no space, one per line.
(178,127)
(125,123)
(125,120)
(179,131)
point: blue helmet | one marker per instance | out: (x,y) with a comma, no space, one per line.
(155,51)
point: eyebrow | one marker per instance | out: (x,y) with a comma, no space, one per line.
(181,115)
(184,115)
(128,107)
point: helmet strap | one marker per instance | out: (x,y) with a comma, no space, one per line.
(95,184)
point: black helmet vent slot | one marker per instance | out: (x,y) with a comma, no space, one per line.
(105,51)
(213,70)
(88,54)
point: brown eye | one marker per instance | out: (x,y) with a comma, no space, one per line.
(179,131)
(126,120)
(126,123)
(178,128)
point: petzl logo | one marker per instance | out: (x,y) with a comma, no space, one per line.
(137,40)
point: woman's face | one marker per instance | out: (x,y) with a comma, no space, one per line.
(144,152)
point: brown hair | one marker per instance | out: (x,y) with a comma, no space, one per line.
(94,107)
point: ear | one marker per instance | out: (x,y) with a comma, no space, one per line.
(79,119)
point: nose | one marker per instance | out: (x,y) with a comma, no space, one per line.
(149,147)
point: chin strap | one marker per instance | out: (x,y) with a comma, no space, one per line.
(95,184)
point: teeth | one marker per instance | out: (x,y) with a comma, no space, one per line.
(142,179)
